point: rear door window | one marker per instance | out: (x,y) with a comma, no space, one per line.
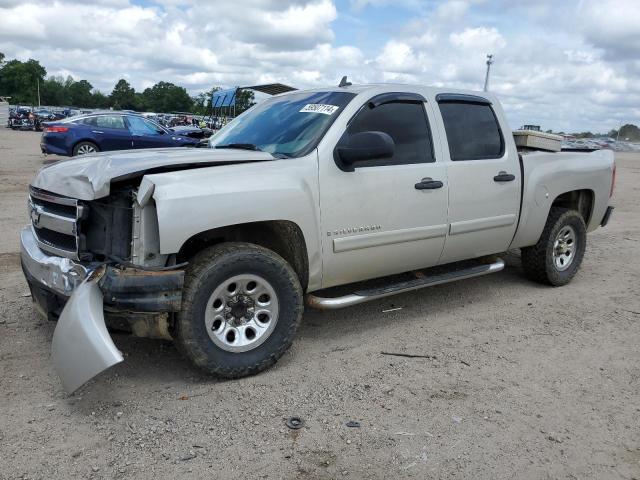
(91,121)
(111,121)
(473,132)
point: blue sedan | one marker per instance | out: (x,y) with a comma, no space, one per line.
(102,132)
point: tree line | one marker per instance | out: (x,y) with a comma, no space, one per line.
(21,81)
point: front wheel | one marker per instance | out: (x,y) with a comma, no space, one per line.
(241,307)
(557,256)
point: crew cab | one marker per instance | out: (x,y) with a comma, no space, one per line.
(376,189)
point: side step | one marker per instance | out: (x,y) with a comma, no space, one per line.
(366,295)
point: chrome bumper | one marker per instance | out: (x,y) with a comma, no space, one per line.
(81,347)
(59,274)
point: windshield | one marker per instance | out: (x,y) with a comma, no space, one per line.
(291,125)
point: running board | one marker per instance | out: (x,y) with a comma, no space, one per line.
(361,296)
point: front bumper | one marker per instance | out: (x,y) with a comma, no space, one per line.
(57,274)
(82,347)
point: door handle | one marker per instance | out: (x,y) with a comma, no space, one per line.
(428,184)
(96,131)
(504,177)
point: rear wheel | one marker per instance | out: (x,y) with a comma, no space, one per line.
(241,307)
(85,148)
(557,256)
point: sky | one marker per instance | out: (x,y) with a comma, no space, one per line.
(570,65)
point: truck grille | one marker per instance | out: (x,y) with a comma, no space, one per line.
(54,219)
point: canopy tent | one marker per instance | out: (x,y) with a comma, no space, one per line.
(272,88)
(224,98)
(227,97)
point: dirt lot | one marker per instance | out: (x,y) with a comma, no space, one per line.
(521,381)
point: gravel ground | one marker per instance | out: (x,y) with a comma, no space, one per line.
(517,380)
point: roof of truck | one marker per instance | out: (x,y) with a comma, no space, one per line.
(360,88)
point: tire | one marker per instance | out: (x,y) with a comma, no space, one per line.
(556,264)
(84,148)
(201,324)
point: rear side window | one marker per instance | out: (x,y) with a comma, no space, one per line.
(91,121)
(405,123)
(472,130)
(110,121)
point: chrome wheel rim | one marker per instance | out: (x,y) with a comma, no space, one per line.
(564,248)
(241,313)
(85,149)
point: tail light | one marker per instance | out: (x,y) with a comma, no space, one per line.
(56,129)
(613,179)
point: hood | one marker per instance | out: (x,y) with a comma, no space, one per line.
(90,177)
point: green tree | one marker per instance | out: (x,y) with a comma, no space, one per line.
(54,92)
(19,80)
(80,94)
(245,99)
(167,97)
(100,100)
(630,132)
(123,95)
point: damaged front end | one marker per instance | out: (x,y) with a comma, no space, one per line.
(82,346)
(81,267)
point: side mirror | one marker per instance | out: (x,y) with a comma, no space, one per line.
(361,147)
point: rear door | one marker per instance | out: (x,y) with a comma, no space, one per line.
(484,178)
(111,133)
(376,221)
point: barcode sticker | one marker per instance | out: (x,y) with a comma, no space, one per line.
(319,108)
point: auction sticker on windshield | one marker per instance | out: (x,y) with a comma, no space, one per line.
(319,108)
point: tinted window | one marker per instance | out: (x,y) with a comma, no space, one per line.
(110,121)
(472,130)
(140,126)
(91,121)
(405,123)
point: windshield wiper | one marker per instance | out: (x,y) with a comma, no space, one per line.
(240,146)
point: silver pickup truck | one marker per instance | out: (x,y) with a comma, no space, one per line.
(375,189)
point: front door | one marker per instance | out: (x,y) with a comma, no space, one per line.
(387,216)
(484,179)
(146,134)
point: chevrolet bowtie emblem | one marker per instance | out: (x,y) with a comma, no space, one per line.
(35,216)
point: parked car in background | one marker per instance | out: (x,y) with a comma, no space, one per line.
(20,118)
(193,131)
(101,132)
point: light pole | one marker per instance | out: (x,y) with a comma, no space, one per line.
(486,78)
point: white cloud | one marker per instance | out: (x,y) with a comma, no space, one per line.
(568,65)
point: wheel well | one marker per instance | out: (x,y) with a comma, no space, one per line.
(579,200)
(84,140)
(282,236)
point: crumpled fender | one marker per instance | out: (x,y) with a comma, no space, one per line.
(82,347)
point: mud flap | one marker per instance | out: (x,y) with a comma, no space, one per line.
(82,347)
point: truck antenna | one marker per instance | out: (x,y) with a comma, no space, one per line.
(344,82)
